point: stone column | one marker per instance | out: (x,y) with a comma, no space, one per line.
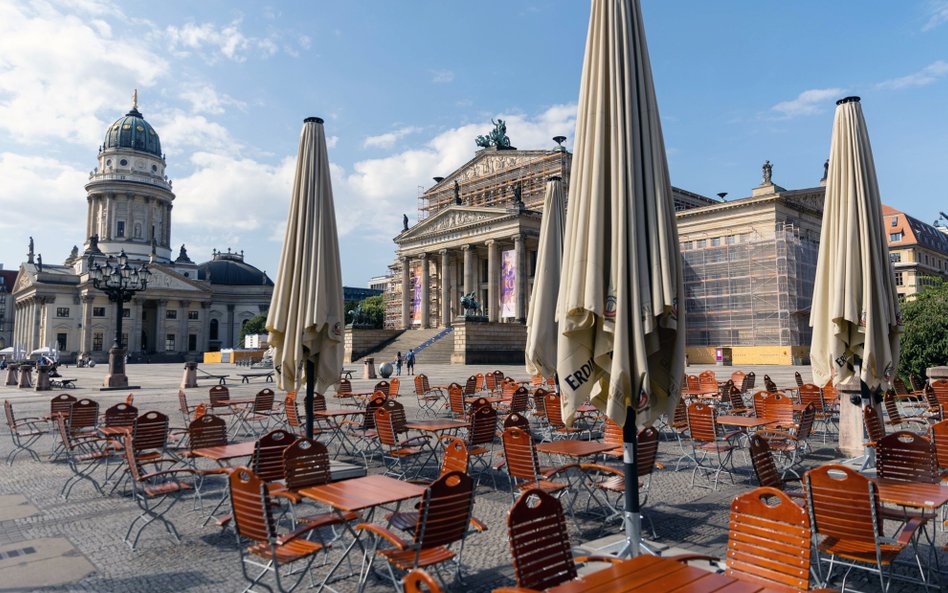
(85,336)
(182,346)
(160,325)
(493,295)
(424,290)
(445,290)
(406,294)
(34,324)
(231,336)
(205,338)
(135,333)
(468,263)
(520,302)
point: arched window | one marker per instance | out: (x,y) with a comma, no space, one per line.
(214,329)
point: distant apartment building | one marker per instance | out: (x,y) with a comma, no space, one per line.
(918,251)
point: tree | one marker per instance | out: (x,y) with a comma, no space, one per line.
(374,307)
(254,325)
(924,343)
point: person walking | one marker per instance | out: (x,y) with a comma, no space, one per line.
(398,364)
(410,362)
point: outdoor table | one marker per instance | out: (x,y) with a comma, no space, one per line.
(110,432)
(436,427)
(491,400)
(242,409)
(334,417)
(224,453)
(652,573)
(361,494)
(577,450)
(699,393)
(922,496)
(744,422)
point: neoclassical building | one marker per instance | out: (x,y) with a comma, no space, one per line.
(477,233)
(187,307)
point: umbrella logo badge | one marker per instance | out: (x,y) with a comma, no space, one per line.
(611,306)
(643,400)
(337,329)
(840,361)
(888,373)
(862,319)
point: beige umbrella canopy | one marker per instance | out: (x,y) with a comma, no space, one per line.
(306,316)
(621,342)
(540,352)
(621,338)
(854,314)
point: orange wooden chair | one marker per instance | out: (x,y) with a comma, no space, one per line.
(791,445)
(23,431)
(749,381)
(59,406)
(768,544)
(766,469)
(83,416)
(306,464)
(519,402)
(897,419)
(940,387)
(121,414)
(444,516)
(186,410)
(939,435)
(524,470)
(540,543)
(399,456)
(769,385)
(470,386)
(712,453)
(217,395)
(456,401)
(905,456)
(875,430)
(847,521)
(394,385)
(798,378)
(428,399)
(825,414)
(480,441)
(555,426)
(611,480)
(84,453)
(419,581)
(361,432)
(679,426)
(382,386)
(264,550)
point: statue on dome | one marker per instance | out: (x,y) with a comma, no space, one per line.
(29,254)
(497,137)
(39,262)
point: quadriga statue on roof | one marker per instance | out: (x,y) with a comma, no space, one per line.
(497,137)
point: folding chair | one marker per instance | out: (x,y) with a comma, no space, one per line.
(256,417)
(846,519)
(519,402)
(792,446)
(266,550)
(59,406)
(524,470)
(611,480)
(480,441)
(766,469)
(149,439)
(749,380)
(905,456)
(456,401)
(306,464)
(798,378)
(399,457)
(768,543)
(444,515)
(555,426)
(155,492)
(418,581)
(217,395)
(24,432)
(344,393)
(812,394)
(84,453)
(470,386)
(393,386)
(382,386)
(540,543)
(121,415)
(83,416)
(363,430)
(427,397)
(186,410)
(711,454)
(896,418)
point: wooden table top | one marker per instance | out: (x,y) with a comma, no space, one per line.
(917,495)
(698,392)
(337,412)
(744,421)
(490,399)
(362,493)
(235,402)
(651,573)
(114,431)
(436,425)
(225,452)
(573,448)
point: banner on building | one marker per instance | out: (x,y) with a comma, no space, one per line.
(416,295)
(508,284)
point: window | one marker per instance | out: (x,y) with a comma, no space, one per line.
(169,343)
(716,241)
(213,331)
(97,342)
(895,237)
(895,221)
(685,245)
(192,342)
(98,311)
(126,313)
(730,239)
(700,243)
(61,341)
(120,228)
(192,315)
(171,314)
(898,278)
(895,257)
(62,311)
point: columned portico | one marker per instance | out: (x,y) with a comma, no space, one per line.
(521,291)
(493,298)
(424,290)
(468,263)
(445,289)
(406,294)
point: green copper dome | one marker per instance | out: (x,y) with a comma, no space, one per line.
(132,131)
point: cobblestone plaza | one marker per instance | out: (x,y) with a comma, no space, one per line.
(49,544)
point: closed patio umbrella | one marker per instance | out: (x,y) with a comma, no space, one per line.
(622,340)
(306,319)
(540,352)
(854,314)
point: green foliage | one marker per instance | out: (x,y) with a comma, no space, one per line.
(255,325)
(349,307)
(925,319)
(374,308)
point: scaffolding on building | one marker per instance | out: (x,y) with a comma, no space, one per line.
(748,289)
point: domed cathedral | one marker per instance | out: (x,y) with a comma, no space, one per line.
(187,308)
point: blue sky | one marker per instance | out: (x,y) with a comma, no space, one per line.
(405,87)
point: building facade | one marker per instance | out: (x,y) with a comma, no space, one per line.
(919,251)
(187,307)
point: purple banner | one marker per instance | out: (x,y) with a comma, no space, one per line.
(508,284)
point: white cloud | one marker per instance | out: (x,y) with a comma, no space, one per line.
(205,99)
(923,77)
(442,76)
(331,141)
(388,139)
(40,196)
(211,41)
(937,14)
(181,132)
(808,102)
(69,70)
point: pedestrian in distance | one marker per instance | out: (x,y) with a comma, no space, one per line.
(398,364)
(410,362)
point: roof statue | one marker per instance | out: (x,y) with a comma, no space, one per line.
(135,99)
(39,263)
(183,256)
(826,167)
(30,254)
(768,171)
(404,222)
(457,193)
(518,193)
(497,137)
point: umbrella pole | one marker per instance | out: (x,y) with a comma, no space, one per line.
(631,517)
(310,390)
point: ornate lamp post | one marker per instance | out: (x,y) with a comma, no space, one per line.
(119,281)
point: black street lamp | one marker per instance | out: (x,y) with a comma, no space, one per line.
(119,281)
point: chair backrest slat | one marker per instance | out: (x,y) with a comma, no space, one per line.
(218,394)
(382,386)
(59,405)
(83,414)
(763,461)
(520,454)
(345,386)
(445,511)
(263,401)
(874,426)
(844,504)
(456,456)
(151,431)
(940,442)
(267,460)
(907,457)
(539,542)
(812,394)
(456,400)
(251,506)
(121,414)
(702,423)
(306,463)
(483,426)
(207,431)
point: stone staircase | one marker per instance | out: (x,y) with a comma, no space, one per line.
(431,346)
